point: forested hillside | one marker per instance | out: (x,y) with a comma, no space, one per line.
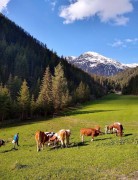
(126,81)
(35,80)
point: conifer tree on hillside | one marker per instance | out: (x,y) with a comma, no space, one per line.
(60,89)
(33,107)
(5,102)
(14,85)
(66,99)
(23,99)
(36,88)
(82,93)
(45,98)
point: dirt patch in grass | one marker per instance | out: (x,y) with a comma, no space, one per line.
(131,176)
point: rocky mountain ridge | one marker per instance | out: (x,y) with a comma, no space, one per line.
(95,63)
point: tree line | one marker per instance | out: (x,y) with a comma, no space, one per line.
(126,81)
(28,70)
(53,96)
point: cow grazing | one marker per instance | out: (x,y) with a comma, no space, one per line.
(50,134)
(41,138)
(2,142)
(108,129)
(89,132)
(116,128)
(61,136)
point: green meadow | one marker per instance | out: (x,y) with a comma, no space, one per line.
(107,157)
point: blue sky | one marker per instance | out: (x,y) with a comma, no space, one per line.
(72,27)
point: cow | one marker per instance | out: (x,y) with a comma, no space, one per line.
(93,132)
(61,136)
(41,138)
(50,134)
(116,128)
(2,142)
(108,129)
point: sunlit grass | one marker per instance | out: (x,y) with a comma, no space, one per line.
(107,157)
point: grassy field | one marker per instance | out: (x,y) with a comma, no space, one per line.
(105,158)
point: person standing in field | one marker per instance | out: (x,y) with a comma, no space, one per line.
(16,140)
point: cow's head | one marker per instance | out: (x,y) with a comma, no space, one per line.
(53,141)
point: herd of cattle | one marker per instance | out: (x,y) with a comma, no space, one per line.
(63,135)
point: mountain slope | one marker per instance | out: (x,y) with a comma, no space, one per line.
(125,76)
(127,81)
(95,63)
(25,57)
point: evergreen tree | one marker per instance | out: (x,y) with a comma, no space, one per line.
(14,85)
(45,98)
(36,88)
(5,102)
(60,88)
(33,107)
(66,99)
(24,100)
(82,93)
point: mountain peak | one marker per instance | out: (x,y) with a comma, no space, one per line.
(91,53)
(93,62)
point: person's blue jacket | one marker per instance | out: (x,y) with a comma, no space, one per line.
(16,138)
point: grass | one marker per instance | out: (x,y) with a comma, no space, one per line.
(105,158)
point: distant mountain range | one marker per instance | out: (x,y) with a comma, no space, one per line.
(95,63)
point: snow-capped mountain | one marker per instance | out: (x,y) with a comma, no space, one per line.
(133,65)
(95,63)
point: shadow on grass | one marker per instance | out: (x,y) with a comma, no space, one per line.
(87,112)
(69,112)
(15,123)
(9,150)
(79,144)
(72,145)
(130,134)
(102,139)
(17,166)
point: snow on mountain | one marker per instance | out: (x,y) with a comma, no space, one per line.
(95,63)
(133,65)
(71,58)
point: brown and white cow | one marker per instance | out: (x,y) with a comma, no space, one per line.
(2,142)
(50,134)
(61,136)
(116,128)
(93,132)
(41,138)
